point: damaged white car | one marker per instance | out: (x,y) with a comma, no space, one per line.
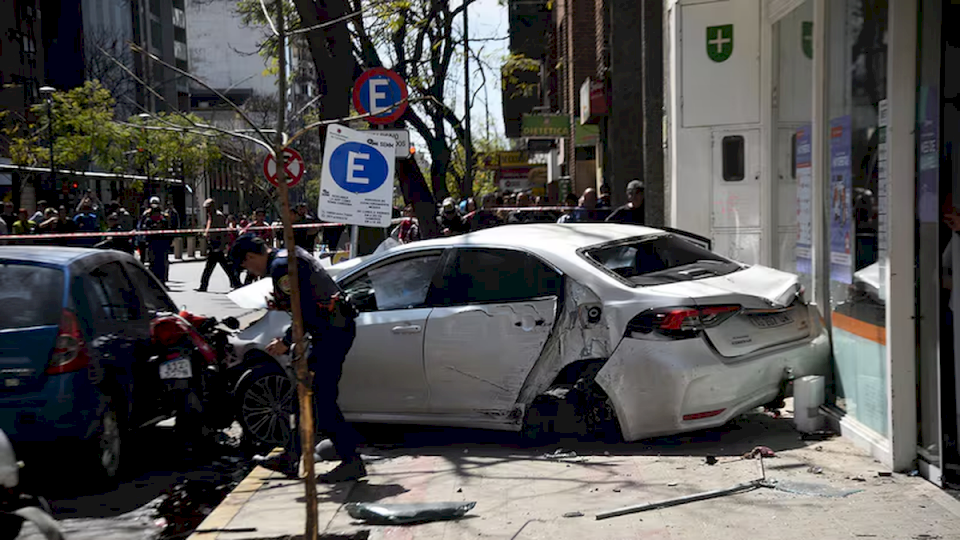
(610,330)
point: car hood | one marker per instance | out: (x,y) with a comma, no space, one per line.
(255,295)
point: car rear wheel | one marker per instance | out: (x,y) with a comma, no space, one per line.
(267,398)
(105,446)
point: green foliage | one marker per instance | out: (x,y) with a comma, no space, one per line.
(167,152)
(83,132)
(483,181)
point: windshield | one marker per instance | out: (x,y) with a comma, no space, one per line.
(31,296)
(659,259)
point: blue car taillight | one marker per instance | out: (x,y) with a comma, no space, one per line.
(678,322)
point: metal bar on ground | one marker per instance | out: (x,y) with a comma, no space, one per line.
(739,488)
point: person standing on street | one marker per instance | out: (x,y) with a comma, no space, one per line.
(632,212)
(24,225)
(8,216)
(158,245)
(216,248)
(329,319)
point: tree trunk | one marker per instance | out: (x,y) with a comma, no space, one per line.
(415,191)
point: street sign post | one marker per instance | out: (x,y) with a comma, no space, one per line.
(382,93)
(294,167)
(356,182)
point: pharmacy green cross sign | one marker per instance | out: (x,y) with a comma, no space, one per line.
(720,42)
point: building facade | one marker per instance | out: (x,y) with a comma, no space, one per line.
(21,76)
(818,137)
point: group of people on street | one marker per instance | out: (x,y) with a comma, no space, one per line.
(495,210)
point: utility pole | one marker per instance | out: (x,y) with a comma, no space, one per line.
(467,189)
(652,51)
(304,377)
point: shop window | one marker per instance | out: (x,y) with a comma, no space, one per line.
(733,158)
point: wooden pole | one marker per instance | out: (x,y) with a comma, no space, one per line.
(304,377)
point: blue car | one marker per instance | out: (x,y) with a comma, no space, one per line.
(74,345)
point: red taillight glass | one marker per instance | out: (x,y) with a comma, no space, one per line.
(678,322)
(167,332)
(69,352)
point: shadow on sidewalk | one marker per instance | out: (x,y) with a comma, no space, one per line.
(734,439)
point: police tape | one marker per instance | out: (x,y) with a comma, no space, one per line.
(164,232)
(188,232)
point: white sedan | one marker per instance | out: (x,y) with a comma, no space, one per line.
(601,329)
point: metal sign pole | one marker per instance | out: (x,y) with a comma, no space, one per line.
(354,238)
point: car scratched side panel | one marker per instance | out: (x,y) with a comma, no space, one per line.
(478,356)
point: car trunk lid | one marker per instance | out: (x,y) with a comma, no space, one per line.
(770,311)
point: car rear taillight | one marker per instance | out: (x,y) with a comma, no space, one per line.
(70,351)
(678,322)
(168,331)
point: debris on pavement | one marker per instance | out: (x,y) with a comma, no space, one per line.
(761,451)
(397,514)
(739,488)
(560,453)
(616,490)
(711,460)
(814,489)
(573,514)
(815,470)
(857,478)
(884,474)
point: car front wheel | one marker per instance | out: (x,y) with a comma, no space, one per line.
(267,399)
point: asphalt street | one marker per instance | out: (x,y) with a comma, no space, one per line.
(185,277)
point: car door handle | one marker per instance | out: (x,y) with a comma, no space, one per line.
(538,322)
(409,329)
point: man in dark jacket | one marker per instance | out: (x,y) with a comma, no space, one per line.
(330,322)
(632,212)
(217,247)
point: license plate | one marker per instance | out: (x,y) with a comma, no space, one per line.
(771,320)
(176,369)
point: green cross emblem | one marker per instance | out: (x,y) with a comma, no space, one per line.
(720,42)
(806,39)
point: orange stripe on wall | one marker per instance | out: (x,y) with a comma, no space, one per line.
(857,327)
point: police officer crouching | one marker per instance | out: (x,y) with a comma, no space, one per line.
(330,321)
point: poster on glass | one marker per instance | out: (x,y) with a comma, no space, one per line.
(841,187)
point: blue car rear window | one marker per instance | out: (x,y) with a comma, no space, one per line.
(30,295)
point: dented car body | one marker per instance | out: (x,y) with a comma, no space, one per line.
(587,327)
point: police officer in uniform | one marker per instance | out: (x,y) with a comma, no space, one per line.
(330,322)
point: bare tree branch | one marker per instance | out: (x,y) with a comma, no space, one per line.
(200,81)
(266,15)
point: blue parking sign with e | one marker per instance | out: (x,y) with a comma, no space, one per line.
(358,167)
(380,95)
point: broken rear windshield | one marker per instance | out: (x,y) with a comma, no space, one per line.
(659,259)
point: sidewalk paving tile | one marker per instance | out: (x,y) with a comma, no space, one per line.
(520,494)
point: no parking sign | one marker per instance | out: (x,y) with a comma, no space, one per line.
(356,183)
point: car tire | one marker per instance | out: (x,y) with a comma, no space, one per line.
(266,398)
(104,447)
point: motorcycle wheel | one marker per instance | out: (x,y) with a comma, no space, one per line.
(266,398)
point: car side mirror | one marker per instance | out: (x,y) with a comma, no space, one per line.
(231,323)
(364,300)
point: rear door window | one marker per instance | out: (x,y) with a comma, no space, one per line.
(31,295)
(155,299)
(658,260)
(111,295)
(496,275)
